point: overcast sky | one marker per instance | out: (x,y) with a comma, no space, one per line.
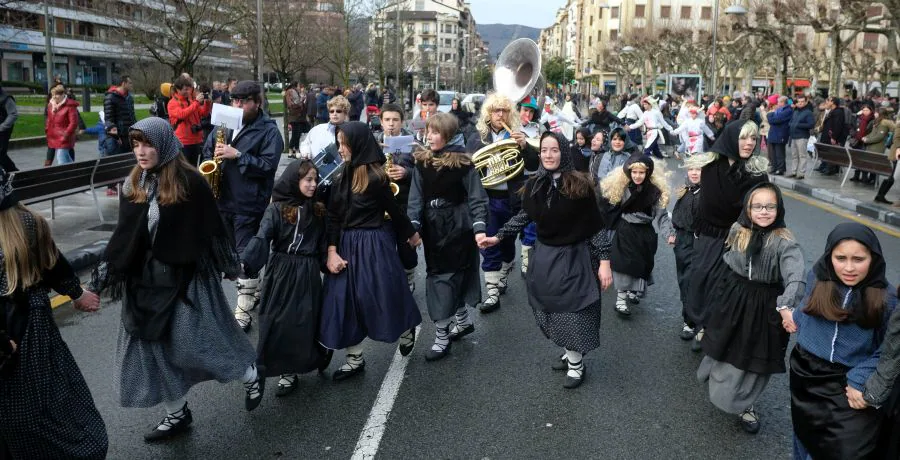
(534,13)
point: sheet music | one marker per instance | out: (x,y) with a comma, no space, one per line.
(399,144)
(231,117)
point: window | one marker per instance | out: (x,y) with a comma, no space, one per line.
(613,35)
(599,34)
(685,12)
(447,57)
(706,13)
(426,28)
(639,11)
(665,12)
(590,41)
(448,42)
(614,12)
(870,41)
(592,21)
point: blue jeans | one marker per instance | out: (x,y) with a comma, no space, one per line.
(63,156)
(800,452)
(653,150)
(499,213)
(529,234)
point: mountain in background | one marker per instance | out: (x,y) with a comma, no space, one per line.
(499,35)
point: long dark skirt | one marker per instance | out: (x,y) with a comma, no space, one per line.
(569,325)
(684,248)
(823,420)
(370,298)
(744,329)
(289,312)
(707,266)
(46,409)
(633,250)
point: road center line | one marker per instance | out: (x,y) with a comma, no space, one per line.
(370,437)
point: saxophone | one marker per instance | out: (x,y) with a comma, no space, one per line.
(212,169)
(388,163)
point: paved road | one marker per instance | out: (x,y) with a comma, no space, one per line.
(493,397)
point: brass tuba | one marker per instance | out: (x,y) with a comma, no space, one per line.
(212,169)
(517,72)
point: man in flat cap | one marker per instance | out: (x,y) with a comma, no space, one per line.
(250,159)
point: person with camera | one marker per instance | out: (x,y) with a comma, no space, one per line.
(186,110)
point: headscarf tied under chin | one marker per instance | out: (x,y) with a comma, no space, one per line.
(760,234)
(363,146)
(161,136)
(544,177)
(287,188)
(824,270)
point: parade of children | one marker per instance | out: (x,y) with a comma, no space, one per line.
(760,317)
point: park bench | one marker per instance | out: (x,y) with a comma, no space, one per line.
(834,154)
(16,90)
(50,183)
(870,162)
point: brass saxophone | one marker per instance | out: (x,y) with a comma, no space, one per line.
(388,163)
(212,169)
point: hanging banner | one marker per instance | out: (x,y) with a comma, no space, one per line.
(688,86)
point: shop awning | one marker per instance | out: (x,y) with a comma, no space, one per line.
(799,83)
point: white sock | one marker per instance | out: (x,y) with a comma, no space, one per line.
(354,358)
(173,409)
(250,374)
(620,299)
(575,365)
(441,335)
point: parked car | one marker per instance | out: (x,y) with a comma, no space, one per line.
(446,100)
(472,102)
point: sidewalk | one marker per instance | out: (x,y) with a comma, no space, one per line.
(853,196)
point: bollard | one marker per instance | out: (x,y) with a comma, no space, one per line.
(86,96)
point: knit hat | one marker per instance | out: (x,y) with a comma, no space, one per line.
(165,89)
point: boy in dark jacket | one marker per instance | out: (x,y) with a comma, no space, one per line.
(802,121)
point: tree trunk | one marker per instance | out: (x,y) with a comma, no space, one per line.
(835,74)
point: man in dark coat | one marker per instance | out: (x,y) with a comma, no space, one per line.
(118,111)
(250,160)
(835,130)
(802,121)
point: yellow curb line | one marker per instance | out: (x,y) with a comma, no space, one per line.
(845,214)
(59,300)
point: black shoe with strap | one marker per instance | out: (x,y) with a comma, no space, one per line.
(174,424)
(749,420)
(255,391)
(287,384)
(407,342)
(355,364)
(457,332)
(575,382)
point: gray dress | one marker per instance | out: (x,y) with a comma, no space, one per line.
(204,343)
(781,262)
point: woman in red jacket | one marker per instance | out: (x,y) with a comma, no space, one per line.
(62,122)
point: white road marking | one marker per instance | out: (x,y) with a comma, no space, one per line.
(370,437)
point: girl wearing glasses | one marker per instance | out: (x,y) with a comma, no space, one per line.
(748,330)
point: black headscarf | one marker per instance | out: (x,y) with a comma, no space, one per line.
(543,178)
(727,144)
(629,144)
(759,235)
(7,194)
(824,270)
(287,188)
(363,146)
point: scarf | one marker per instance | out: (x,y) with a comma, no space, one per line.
(287,188)
(549,179)
(824,270)
(759,234)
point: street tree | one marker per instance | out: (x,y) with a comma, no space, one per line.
(347,42)
(177,33)
(558,71)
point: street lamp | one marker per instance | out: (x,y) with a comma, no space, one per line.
(736,10)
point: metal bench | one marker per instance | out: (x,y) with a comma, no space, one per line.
(870,162)
(48,184)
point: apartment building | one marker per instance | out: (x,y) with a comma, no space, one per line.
(88,44)
(439,43)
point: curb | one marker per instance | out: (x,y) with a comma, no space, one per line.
(830,197)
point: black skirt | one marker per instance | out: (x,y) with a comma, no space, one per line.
(889,443)
(633,249)
(707,267)
(823,420)
(744,329)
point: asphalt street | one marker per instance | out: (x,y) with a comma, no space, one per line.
(494,397)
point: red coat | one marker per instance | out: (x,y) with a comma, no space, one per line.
(184,113)
(61,125)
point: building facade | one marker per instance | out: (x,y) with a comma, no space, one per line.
(87,40)
(439,44)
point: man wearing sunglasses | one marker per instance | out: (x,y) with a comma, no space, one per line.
(250,159)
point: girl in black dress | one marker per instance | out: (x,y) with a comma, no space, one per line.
(366,294)
(571,253)
(291,301)
(46,409)
(448,205)
(683,216)
(734,170)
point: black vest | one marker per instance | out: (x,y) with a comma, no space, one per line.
(446,184)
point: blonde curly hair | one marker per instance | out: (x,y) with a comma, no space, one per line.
(493,102)
(613,186)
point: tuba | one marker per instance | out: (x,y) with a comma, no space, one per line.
(211,170)
(517,72)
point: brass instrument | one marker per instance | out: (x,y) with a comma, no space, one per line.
(388,163)
(517,72)
(498,162)
(212,169)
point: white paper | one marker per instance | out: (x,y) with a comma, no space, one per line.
(402,144)
(231,117)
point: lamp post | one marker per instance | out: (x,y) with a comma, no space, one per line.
(736,10)
(259,50)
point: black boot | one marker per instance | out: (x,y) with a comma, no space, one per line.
(883,190)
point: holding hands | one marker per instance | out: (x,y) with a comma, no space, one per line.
(335,263)
(415,240)
(485,241)
(787,321)
(855,398)
(88,302)
(605,275)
